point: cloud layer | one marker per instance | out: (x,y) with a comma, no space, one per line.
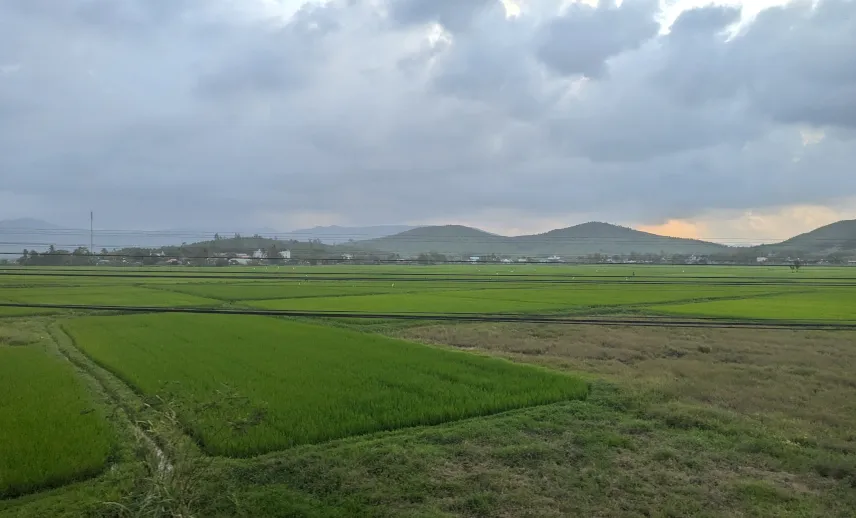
(215,113)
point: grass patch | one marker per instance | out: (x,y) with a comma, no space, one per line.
(101,295)
(829,304)
(258,290)
(505,300)
(446,302)
(248,385)
(50,433)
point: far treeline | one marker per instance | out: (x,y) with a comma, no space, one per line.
(220,251)
(588,243)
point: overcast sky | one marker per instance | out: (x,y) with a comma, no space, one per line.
(685,117)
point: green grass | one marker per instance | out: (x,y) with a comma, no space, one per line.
(689,422)
(833,304)
(593,295)
(259,290)
(49,432)
(101,295)
(249,385)
(446,302)
(679,422)
(519,300)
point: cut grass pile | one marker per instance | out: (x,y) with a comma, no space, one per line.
(49,432)
(247,385)
(829,304)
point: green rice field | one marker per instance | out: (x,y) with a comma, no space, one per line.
(829,304)
(241,414)
(249,385)
(520,300)
(49,431)
(115,295)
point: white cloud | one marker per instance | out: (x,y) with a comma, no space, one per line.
(376,111)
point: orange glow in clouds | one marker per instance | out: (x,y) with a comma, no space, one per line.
(675,228)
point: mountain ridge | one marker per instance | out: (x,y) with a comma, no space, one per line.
(839,236)
(335,234)
(577,240)
(584,239)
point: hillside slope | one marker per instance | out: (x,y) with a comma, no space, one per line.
(579,240)
(333,235)
(36,234)
(835,237)
(447,239)
(605,238)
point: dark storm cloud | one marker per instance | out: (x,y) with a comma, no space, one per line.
(583,38)
(192,113)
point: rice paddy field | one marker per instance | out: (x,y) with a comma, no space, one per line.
(50,433)
(251,385)
(120,402)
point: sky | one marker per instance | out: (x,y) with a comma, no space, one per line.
(731,121)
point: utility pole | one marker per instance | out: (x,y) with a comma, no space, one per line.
(91,233)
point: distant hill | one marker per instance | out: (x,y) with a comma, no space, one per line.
(580,240)
(447,239)
(37,234)
(836,237)
(26,223)
(605,238)
(334,235)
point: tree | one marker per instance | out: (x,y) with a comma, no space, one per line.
(80,256)
(273,254)
(834,258)
(795,267)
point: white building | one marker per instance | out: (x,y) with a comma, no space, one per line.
(259,254)
(285,254)
(761,260)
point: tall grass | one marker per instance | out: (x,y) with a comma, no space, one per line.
(247,385)
(50,433)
